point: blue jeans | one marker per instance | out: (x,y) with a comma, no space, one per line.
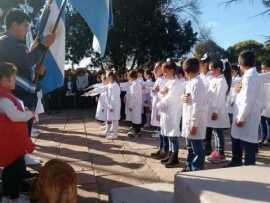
(173,144)
(163,143)
(196,154)
(240,146)
(265,128)
(219,139)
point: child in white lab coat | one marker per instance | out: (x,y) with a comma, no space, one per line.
(155,113)
(206,77)
(218,117)
(134,103)
(147,100)
(247,112)
(113,105)
(170,106)
(194,117)
(265,118)
(101,112)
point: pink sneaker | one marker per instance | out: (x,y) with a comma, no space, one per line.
(217,158)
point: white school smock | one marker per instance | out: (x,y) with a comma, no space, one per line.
(266,100)
(195,112)
(232,95)
(101,112)
(155,99)
(217,93)
(170,107)
(147,99)
(113,102)
(134,101)
(248,107)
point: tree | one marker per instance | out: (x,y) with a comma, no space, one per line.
(251,45)
(211,48)
(147,32)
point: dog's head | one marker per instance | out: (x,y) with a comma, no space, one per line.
(56,183)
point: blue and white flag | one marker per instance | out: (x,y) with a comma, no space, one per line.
(55,59)
(98,15)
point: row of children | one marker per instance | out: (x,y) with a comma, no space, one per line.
(205,99)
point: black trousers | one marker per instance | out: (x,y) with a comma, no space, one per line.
(12,178)
(208,140)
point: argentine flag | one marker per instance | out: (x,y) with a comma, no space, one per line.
(55,59)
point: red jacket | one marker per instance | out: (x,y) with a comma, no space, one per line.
(14,136)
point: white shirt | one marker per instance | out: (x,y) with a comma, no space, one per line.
(11,111)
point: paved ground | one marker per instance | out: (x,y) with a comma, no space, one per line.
(101,164)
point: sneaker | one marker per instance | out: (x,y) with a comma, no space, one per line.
(156,134)
(35,133)
(265,143)
(217,158)
(31,160)
(112,136)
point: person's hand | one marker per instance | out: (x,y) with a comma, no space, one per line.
(186,98)
(130,109)
(49,40)
(193,131)
(157,89)
(240,124)
(40,70)
(238,87)
(214,116)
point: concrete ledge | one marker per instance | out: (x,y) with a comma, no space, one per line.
(152,193)
(249,184)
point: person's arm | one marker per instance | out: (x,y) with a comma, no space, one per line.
(10,110)
(197,108)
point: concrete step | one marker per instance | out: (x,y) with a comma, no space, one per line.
(150,193)
(249,184)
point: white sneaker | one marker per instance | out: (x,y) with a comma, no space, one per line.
(112,136)
(31,160)
(35,133)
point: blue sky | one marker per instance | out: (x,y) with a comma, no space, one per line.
(234,23)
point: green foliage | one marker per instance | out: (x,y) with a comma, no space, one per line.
(211,48)
(251,45)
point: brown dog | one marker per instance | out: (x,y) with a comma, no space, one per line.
(56,184)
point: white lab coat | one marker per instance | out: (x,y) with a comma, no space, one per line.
(195,112)
(266,100)
(206,79)
(217,93)
(232,95)
(113,102)
(101,112)
(248,107)
(160,82)
(134,101)
(170,107)
(147,87)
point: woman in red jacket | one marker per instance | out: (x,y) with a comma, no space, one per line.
(14,139)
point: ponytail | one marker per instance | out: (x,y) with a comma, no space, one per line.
(225,69)
(227,72)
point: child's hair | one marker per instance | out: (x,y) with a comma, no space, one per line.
(191,65)
(112,75)
(225,69)
(7,70)
(133,74)
(170,65)
(103,77)
(236,69)
(56,184)
(247,58)
(158,64)
(180,71)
